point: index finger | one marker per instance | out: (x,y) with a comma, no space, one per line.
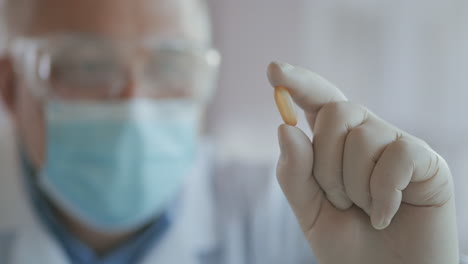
(309,90)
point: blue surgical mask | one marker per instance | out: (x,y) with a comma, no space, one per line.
(115,166)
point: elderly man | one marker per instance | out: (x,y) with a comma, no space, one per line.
(108,98)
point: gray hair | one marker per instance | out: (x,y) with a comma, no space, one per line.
(11,10)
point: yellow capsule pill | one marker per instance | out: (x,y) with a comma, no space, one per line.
(285,105)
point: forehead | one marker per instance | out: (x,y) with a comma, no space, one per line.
(127,19)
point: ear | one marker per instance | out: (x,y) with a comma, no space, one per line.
(7,84)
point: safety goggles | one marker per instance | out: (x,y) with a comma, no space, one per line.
(83,67)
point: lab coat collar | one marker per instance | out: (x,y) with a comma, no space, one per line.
(30,242)
(191,234)
(193,230)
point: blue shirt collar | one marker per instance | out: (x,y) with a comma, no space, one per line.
(130,252)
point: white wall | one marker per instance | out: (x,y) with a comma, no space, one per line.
(406,60)
(250,34)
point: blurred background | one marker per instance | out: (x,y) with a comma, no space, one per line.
(405,60)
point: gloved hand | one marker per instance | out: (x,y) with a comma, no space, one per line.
(363,191)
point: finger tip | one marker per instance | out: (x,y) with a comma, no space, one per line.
(340,200)
(283,133)
(275,72)
(380,226)
(293,139)
(283,127)
(379,223)
(278,65)
(286,131)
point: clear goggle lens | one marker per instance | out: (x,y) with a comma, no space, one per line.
(97,70)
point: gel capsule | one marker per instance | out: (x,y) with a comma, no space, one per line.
(285,105)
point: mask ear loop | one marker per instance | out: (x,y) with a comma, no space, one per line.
(43,70)
(212,58)
(43,74)
(38,70)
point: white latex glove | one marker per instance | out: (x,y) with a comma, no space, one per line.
(363,191)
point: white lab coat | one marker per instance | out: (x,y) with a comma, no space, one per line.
(229,214)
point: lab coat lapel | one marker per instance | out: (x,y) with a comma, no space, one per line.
(33,245)
(30,243)
(192,233)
